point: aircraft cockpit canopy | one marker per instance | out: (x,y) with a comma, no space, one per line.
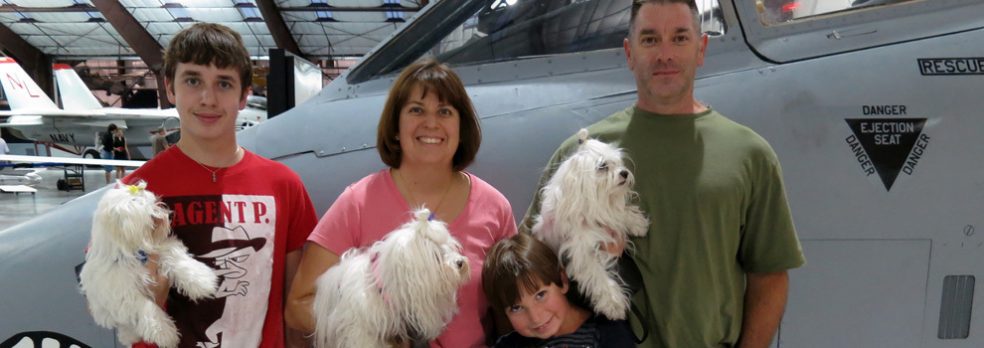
(500,30)
(772,12)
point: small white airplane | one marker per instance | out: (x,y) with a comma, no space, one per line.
(74,94)
(75,129)
(20,176)
(34,116)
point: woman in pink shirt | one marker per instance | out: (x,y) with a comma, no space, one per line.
(428,134)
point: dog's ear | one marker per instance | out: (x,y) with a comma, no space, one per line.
(582,135)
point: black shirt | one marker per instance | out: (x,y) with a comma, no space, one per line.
(597,332)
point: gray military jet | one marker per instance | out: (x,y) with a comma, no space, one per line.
(874,112)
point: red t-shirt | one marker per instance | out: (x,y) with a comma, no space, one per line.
(243,225)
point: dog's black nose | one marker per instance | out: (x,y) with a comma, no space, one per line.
(624,174)
(460,263)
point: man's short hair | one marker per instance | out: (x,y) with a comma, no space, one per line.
(432,77)
(637,4)
(209,44)
(519,261)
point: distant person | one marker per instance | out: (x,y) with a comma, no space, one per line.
(714,262)
(106,149)
(120,151)
(159,141)
(3,149)
(524,281)
(244,215)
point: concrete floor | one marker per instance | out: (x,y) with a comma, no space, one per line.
(17,208)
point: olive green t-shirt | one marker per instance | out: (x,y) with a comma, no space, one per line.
(713,192)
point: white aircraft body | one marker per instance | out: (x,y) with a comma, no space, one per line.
(873,110)
(34,116)
(75,128)
(20,176)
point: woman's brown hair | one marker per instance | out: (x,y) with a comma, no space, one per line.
(432,77)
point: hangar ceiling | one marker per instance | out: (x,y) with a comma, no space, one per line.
(321,29)
(111,41)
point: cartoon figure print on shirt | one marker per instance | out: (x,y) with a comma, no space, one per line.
(235,235)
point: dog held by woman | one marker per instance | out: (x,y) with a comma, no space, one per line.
(129,224)
(587,204)
(402,288)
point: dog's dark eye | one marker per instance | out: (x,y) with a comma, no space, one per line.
(603,167)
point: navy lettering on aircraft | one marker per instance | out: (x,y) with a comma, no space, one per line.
(887,146)
(951,66)
(64,138)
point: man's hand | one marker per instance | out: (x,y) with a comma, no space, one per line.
(161,285)
(615,248)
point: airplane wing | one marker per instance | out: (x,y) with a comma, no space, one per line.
(20,120)
(112,113)
(27,99)
(56,161)
(52,112)
(122,113)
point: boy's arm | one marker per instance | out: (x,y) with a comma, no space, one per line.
(294,338)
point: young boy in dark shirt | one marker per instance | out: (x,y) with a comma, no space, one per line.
(523,279)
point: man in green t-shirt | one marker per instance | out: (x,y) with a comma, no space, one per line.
(714,263)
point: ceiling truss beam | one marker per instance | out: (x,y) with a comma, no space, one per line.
(278,28)
(36,63)
(142,43)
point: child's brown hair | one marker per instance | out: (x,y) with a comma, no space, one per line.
(518,262)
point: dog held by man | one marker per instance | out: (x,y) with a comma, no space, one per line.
(586,204)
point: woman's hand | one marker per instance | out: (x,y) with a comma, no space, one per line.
(315,260)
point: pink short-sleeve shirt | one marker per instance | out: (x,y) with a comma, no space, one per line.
(372,207)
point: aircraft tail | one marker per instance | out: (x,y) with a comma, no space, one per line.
(21,90)
(74,94)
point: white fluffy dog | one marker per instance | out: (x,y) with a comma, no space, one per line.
(585,204)
(402,288)
(129,224)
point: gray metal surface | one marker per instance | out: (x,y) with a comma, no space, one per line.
(877,253)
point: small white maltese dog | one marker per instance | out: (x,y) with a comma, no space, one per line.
(403,287)
(129,224)
(584,205)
